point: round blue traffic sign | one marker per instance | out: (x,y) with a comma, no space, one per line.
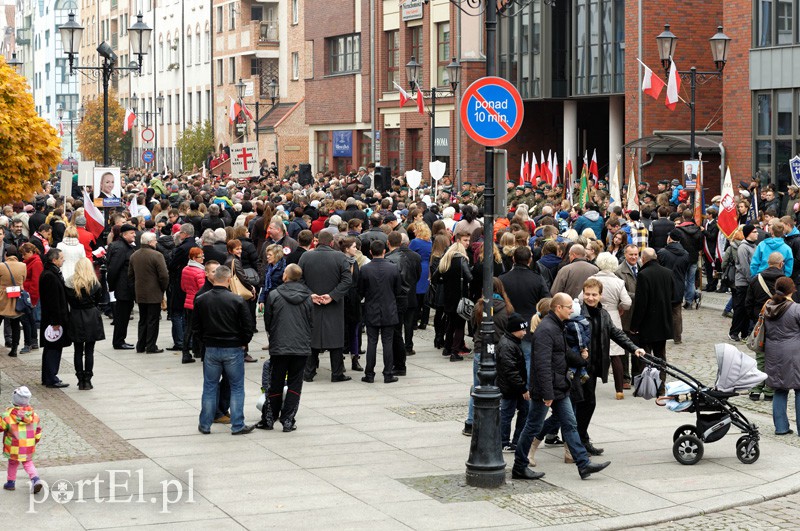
(491,111)
(148,156)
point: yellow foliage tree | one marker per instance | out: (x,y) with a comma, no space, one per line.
(90,132)
(29,146)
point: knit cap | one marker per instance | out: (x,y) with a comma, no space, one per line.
(21,396)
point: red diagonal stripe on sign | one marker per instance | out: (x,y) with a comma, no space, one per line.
(493,112)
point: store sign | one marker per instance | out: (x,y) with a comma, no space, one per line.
(441,142)
(412,10)
(342,143)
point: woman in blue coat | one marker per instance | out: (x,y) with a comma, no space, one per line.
(421,244)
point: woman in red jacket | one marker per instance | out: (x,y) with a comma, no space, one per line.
(30,320)
(192,279)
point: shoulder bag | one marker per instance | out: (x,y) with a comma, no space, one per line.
(23,303)
(755,341)
(465,305)
(238,288)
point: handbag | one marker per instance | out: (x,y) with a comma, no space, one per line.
(430,296)
(252,276)
(465,305)
(239,289)
(755,341)
(23,304)
(647,383)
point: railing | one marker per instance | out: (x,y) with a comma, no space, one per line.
(267,31)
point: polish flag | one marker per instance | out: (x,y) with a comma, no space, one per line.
(673,86)
(247,111)
(593,171)
(555,169)
(652,84)
(234,111)
(420,103)
(537,174)
(404,97)
(61,128)
(94,218)
(568,165)
(130,117)
(527,167)
(522,170)
(550,166)
(543,167)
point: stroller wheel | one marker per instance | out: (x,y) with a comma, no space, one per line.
(686,429)
(747,450)
(688,449)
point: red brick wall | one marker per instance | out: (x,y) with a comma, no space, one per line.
(737,99)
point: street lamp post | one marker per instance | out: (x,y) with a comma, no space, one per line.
(667,42)
(273,96)
(148,114)
(14,62)
(412,73)
(71,34)
(60,114)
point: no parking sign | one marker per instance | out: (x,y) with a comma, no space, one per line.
(491,111)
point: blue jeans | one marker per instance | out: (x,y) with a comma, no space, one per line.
(476,364)
(689,289)
(507,408)
(177,328)
(562,410)
(217,361)
(526,351)
(729,306)
(779,416)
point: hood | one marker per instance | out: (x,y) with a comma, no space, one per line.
(689,227)
(676,249)
(793,232)
(773,244)
(774,310)
(165,240)
(294,292)
(22,414)
(592,215)
(772,273)
(550,259)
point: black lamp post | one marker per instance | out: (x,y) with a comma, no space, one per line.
(148,114)
(14,62)
(667,42)
(71,34)
(273,96)
(60,114)
(454,74)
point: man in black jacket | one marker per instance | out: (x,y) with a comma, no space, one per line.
(119,257)
(692,241)
(175,295)
(410,265)
(224,324)
(660,229)
(675,257)
(373,233)
(380,284)
(549,390)
(512,380)
(525,288)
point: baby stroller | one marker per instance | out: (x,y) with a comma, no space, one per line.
(736,373)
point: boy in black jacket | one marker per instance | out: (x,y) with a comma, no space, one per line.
(512,381)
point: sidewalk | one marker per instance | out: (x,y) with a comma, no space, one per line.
(364,456)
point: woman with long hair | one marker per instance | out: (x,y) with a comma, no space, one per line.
(781,358)
(508,244)
(193,278)
(455,275)
(422,245)
(30,319)
(55,318)
(439,247)
(85,320)
(234,261)
(73,251)
(617,246)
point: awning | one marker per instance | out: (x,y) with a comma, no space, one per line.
(267,122)
(677,142)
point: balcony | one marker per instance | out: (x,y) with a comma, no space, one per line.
(267,31)
(114,41)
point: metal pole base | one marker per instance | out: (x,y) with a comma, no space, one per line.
(486,467)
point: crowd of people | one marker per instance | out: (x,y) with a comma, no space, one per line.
(577,290)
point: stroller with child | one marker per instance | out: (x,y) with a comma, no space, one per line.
(736,374)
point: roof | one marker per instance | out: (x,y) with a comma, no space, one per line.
(678,142)
(273,117)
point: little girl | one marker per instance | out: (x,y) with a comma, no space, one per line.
(21,432)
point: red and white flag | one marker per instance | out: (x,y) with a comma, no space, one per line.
(420,103)
(94,218)
(233,112)
(727,220)
(404,97)
(247,111)
(527,167)
(543,167)
(534,178)
(568,164)
(522,170)
(130,117)
(593,171)
(652,84)
(60,128)
(555,169)
(673,86)
(550,167)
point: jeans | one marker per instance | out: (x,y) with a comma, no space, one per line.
(562,410)
(779,416)
(729,305)
(476,364)
(526,347)
(689,289)
(29,328)
(177,328)
(507,408)
(230,361)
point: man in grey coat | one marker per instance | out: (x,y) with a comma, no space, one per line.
(570,278)
(628,271)
(327,274)
(150,277)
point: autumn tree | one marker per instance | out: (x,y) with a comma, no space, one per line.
(90,132)
(195,144)
(29,146)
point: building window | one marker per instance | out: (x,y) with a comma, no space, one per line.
(198,49)
(345,54)
(295,12)
(232,70)
(323,138)
(160,56)
(188,59)
(417,150)
(599,60)
(189,109)
(392,60)
(365,149)
(392,139)
(169,109)
(442,53)
(231,16)
(219,19)
(417,49)
(776,131)
(295,66)
(219,72)
(208,45)
(774,22)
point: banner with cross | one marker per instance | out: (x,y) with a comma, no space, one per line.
(244,160)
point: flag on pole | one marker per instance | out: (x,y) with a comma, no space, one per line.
(404,97)
(94,218)
(555,169)
(127,125)
(593,171)
(727,219)
(568,165)
(752,214)
(233,112)
(134,207)
(549,167)
(527,167)
(522,170)
(616,196)
(60,128)
(698,197)
(652,84)
(583,197)
(673,86)
(247,111)
(633,197)
(420,103)
(543,167)
(536,173)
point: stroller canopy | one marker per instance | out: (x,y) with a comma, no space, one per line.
(736,371)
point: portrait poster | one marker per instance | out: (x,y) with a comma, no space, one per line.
(107,187)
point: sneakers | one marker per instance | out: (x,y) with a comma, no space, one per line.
(509,448)
(36,485)
(553,441)
(729,315)
(26,349)
(10,485)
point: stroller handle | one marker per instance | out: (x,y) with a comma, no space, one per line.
(673,371)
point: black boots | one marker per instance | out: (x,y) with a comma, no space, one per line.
(356,366)
(187,358)
(84,380)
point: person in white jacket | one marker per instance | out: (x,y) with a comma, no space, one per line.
(73,251)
